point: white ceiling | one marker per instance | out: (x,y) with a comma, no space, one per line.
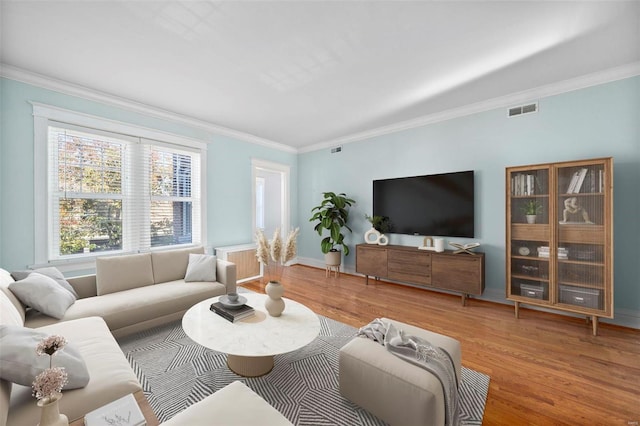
(306,73)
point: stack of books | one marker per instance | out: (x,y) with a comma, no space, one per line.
(123,411)
(563,252)
(234,314)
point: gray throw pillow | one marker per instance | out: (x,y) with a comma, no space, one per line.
(44,294)
(201,267)
(19,362)
(51,272)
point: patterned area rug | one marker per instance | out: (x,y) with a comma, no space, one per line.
(175,372)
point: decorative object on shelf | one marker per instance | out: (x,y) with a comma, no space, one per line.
(432,244)
(524,251)
(332,214)
(464,248)
(47,386)
(273,255)
(372,236)
(274,303)
(379,225)
(573,210)
(531,210)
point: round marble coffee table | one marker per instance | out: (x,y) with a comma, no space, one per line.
(252,343)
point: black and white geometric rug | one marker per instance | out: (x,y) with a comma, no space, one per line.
(175,372)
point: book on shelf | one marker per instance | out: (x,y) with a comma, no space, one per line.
(580,180)
(573,182)
(121,412)
(232,315)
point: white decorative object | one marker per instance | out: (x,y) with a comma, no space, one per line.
(372,236)
(438,243)
(274,303)
(50,414)
(464,248)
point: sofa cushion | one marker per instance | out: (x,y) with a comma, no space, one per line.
(111,374)
(44,294)
(233,405)
(19,362)
(202,267)
(12,310)
(51,272)
(171,265)
(117,273)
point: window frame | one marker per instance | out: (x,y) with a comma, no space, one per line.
(46,115)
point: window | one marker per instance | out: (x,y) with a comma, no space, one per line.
(111,192)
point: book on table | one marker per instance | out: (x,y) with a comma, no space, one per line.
(232,315)
(121,412)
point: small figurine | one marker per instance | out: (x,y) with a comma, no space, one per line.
(571,207)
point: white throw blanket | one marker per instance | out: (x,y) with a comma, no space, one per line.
(419,352)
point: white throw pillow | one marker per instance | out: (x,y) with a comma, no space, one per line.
(51,272)
(19,362)
(44,294)
(201,267)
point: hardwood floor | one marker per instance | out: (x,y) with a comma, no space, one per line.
(545,369)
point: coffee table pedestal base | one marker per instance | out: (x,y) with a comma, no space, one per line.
(250,366)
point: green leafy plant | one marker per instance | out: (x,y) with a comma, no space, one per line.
(332,214)
(532,207)
(379,223)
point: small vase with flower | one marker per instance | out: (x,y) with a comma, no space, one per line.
(47,386)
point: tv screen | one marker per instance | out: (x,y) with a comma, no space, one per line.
(440,204)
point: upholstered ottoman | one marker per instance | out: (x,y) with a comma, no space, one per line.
(233,405)
(391,388)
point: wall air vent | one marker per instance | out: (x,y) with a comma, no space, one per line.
(523,109)
(336,149)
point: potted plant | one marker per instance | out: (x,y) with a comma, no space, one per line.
(332,214)
(379,223)
(531,209)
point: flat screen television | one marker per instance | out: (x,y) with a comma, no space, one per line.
(439,204)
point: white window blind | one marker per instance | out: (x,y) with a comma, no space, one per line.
(117,193)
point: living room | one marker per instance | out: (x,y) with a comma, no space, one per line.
(590,115)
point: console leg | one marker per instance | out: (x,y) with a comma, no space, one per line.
(464,299)
(517,307)
(594,324)
(366,281)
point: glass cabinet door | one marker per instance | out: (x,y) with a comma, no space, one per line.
(529,213)
(581,240)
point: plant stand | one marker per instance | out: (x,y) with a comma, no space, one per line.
(332,268)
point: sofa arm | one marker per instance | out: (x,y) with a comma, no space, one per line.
(226,274)
(84,285)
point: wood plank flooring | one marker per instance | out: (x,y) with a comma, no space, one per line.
(545,369)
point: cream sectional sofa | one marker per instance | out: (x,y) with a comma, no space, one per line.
(139,291)
(127,294)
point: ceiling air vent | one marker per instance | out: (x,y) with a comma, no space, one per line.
(336,149)
(523,109)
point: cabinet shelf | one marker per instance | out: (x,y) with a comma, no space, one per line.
(529,278)
(575,222)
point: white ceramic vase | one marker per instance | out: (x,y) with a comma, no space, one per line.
(50,414)
(274,303)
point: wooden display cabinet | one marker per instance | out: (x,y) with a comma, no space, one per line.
(562,259)
(462,273)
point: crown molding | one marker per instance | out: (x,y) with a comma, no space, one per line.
(582,82)
(71,89)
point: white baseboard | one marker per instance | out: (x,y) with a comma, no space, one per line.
(623,317)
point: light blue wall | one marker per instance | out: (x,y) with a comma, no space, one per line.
(595,122)
(599,121)
(228,172)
